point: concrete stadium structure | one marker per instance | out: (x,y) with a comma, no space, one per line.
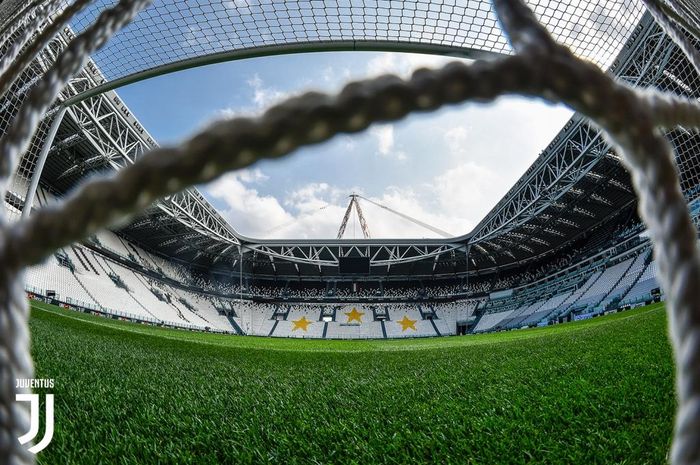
(565,241)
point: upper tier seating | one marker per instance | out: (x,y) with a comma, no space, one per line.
(133,284)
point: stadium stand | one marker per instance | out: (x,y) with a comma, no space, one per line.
(625,283)
(602,286)
(641,290)
(117,277)
(180,264)
(50,276)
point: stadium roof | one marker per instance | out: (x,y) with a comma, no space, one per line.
(576,184)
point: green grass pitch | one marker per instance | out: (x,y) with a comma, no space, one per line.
(597,391)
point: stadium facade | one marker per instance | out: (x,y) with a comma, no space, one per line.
(565,242)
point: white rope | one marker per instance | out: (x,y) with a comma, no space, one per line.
(15,67)
(70,61)
(541,68)
(15,21)
(663,208)
(41,14)
(688,11)
(15,360)
(669,110)
(661,15)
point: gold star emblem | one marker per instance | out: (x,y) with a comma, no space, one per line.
(301,323)
(407,323)
(354,315)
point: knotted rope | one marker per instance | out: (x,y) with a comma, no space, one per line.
(15,359)
(631,119)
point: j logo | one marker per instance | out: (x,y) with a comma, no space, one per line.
(33,399)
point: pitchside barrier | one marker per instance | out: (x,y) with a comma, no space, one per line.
(631,119)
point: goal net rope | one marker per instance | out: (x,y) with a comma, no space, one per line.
(631,119)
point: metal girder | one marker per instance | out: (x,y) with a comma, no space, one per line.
(284,49)
(192,209)
(360,215)
(363,221)
(379,254)
(579,147)
(576,152)
(346,218)
(119,139)
(524,220)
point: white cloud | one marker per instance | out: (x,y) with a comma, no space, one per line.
(414,202)
(468,190)
(315,210)
(478,166)
(319,210)
(384,134)
(334,74)
(456,140)
(245,208)
(348,143)
(457,164)
(332,78)
(252,175)
(403,64)
(261,97)
(264,96)
(386,142)
(310,197)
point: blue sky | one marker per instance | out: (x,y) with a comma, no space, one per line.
(447,169)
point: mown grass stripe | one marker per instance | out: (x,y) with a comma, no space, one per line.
(580,393)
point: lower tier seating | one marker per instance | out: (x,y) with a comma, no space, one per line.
(87,276)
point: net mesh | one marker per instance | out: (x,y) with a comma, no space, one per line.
(9,107)
(672,72)
(681,78)
(173,31)
(541,69)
